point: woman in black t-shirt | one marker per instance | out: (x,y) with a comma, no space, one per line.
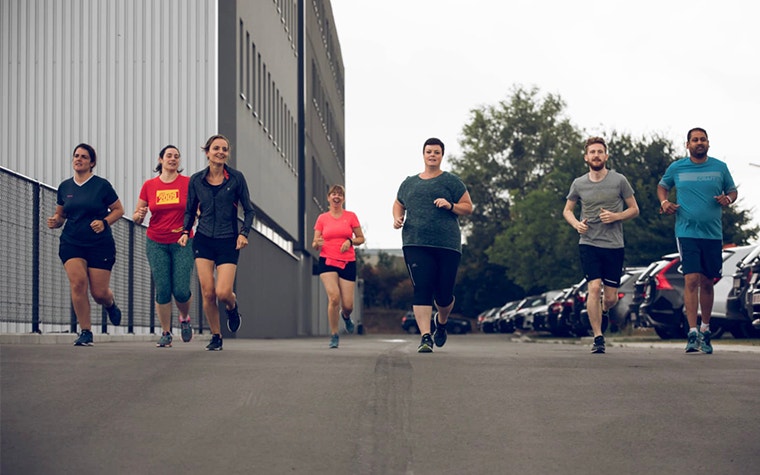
(89,206)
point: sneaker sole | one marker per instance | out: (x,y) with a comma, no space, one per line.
(83,344)
(159,345)
(214,349)
(425,349)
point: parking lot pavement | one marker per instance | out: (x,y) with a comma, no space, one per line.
(481,404)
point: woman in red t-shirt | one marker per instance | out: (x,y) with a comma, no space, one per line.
(165,196)
(336,232)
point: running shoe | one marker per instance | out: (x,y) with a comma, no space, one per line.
(704,342)
(598,346)
(84,339)
(114,314)
(165,341)
(348,322)
(334,341)
(426,344)
(215,344)
(186,330)
(439,336)
(692,342)
(233,319)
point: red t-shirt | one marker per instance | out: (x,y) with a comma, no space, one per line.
(335,231)
(166,202)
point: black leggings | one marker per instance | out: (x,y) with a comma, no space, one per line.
(433,271)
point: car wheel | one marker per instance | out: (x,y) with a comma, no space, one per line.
(665,333)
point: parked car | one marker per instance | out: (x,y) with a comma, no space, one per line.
(663,302)
(621,314)
(502,322)
(491,319)
(564,316)
(640,288)
(739,304)
(454,325)
(486,315)
(540,314)
(522,317)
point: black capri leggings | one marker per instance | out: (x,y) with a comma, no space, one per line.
(433,271)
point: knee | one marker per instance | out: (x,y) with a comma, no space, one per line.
(225,295)
(101,297)
(333,300)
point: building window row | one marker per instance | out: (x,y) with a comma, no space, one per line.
(324,112)
(262,97)
(328,35)
(288,11)
(319,185)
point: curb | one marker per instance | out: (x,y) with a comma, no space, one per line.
(68,338)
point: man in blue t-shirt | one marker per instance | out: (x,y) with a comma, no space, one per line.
(704,186)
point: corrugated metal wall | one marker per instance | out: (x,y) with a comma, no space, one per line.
(126,76)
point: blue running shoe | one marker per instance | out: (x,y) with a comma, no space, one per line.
(348,322)
(84,339)
(114,314)
(598,347)
(334,340)
(704,342)
(692,343)
(233,319)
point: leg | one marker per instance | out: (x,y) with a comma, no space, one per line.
(347,296)
(205,268)
(691,297)
(159,258)
(423,314)
(447,266)
(706,298)
(76,270)
(182,271)
(164,311)
(332,288)
(225,281)
(610,297)
(594,306)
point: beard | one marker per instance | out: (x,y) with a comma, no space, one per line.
(596,166)
(699,153)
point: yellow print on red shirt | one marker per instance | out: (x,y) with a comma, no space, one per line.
(167,197)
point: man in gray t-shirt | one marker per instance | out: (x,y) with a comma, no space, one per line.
(606,201)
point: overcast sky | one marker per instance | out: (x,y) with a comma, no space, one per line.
(416,68)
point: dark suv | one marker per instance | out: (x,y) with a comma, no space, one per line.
(663,301)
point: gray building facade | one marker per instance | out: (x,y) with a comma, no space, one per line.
(129,77)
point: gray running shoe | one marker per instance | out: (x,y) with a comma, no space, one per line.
(186,330)
(84,339)
(165,341)
(334,341)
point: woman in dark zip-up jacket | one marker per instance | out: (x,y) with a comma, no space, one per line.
(213,195)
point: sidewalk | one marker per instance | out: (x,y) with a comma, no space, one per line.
(68,338)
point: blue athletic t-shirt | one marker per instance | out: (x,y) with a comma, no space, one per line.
(697,185)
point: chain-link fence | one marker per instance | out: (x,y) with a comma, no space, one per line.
(34,289)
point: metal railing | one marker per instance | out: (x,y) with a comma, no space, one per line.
(34,289)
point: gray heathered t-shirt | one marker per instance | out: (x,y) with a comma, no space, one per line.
(610,194)
(425,224)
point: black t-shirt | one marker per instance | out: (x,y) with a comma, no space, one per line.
(83,204)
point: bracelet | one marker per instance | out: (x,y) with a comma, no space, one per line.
(452,207)
(105,223)
(662,203)
(729,199)
(351,241)
(185,233)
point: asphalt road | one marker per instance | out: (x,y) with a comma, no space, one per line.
(483,404)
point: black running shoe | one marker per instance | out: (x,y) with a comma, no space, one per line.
(114,314)
(215,344)
(84,339)
(233,319)
(186,330)
(426,345)
(439,336)
(598,346)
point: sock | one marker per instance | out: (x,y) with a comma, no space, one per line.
(692,329)
(704,327)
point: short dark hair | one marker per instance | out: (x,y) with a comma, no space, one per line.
(595,140)
(434,141)
(696,129)
(161,154)
(90,151)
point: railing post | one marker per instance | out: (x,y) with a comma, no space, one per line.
(36,258)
